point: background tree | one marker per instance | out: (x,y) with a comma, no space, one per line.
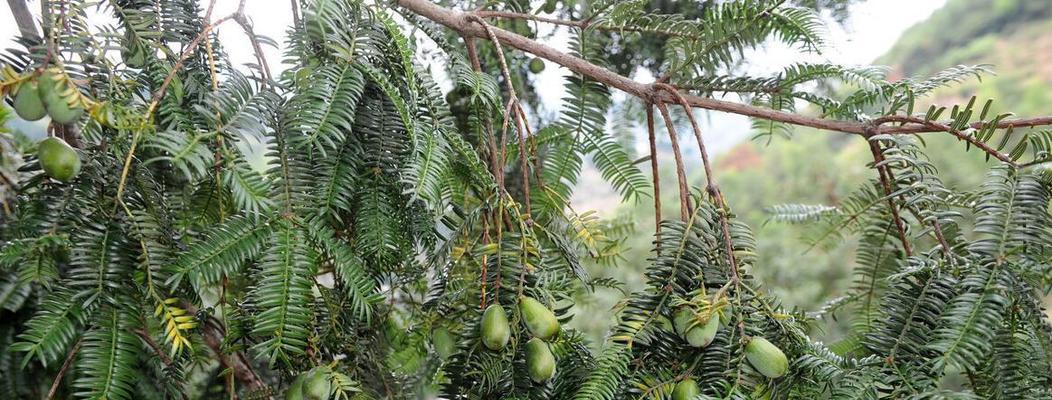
(390,218)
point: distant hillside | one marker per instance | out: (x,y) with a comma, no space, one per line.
(1014,36)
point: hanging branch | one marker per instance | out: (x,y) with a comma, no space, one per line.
(513,100)
(681,174)
(654,167)
(712,187)
(885,182)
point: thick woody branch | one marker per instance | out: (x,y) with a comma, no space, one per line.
(26,26)
(461,22)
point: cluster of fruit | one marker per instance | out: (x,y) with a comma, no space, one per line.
(51,93)
(700,328)
(541,323)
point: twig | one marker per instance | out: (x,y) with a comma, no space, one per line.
(938,126)
(712,187)
(295,13)
(919,127)
(247,27)
(513,99)
(654,167)
(65,367)
(681,174)
(153,345)
(885,181)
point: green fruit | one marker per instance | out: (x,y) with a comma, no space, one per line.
(444,343)
(495,329)
(698,335)
(766,358)
(295,391)
(56,93)
(539,360)
(686,389)
(539,319)
(28,104)
(58,159)
(317,384)
(536,65)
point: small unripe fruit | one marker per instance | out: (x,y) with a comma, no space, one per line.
(539,360)
(539,319)
(536,65)
(698,335)
(766,358)
(58,159)
(495,329)
(443,341)
(28,104)
(295,391)
(55,91)
(686,389)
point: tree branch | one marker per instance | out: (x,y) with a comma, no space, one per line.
(65,367)
(885,182)
(941,127)
(681,174)
(710,178)
(27,27)
(460,22)
(654,167)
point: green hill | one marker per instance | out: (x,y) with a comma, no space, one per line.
(1013,36)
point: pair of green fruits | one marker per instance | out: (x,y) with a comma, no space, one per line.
(763,355)
(315,384)
(52,93)
(541,323)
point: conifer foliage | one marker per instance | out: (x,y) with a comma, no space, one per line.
(347,230)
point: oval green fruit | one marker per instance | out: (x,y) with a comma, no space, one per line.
(495,329)
(318,384)
(28,104)
(58,159)
(702,335)
(539,360)
(539,319)
(54,90)
(295,391)
(443,341)
(536,65)
(766,358)
(682,320)
(686,389)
